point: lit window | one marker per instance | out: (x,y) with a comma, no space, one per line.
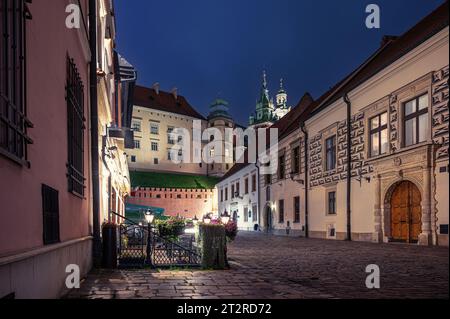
(379,135)
(416,126)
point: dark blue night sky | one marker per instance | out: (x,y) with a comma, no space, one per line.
(211,47)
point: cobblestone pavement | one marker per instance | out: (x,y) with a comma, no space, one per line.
(279,267)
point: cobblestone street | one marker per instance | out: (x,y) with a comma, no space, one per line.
(279,267)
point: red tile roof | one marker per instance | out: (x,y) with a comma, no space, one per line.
(164,101)
(392,49)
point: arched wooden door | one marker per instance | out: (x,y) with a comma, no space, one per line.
(406,213)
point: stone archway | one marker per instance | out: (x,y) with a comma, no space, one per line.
(406,213)
(402,212)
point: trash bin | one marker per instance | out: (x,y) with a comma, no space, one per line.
(109,234)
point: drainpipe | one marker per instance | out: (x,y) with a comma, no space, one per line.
(258,174)
(97,248)
(349,166)
(305,133)
(104,146)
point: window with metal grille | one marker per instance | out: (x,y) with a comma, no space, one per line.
(332,203)
(281,167)
(255,212)
(13,120)
(50,208)
(281,210)
(297,209)
(330,153)
(296,160)
(75,129)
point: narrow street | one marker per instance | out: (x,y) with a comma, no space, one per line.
(268,267)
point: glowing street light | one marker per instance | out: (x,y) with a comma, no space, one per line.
(225,217)
(149,217)
(207,219)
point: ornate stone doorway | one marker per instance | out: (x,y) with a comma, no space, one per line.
(406,212)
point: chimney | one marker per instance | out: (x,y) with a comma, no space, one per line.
(155,87)
(174,92)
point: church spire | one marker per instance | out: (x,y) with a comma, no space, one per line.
(264,80)
(281,86)
(282,96)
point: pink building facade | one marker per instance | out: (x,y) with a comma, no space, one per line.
(187,203)
(44,150)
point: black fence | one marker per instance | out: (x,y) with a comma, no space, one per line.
(137,250)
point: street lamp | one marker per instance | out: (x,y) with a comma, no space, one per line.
(149,218)
(207,219)
(225,217)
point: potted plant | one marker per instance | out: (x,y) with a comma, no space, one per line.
(231,231)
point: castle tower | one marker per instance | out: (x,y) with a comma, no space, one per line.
(220,119)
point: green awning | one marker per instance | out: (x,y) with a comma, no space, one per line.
(136,213)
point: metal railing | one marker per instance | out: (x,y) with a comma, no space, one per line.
(134,240)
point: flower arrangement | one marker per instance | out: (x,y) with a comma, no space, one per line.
(231,230)
(171,228)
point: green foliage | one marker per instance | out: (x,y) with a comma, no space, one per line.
(213,245)
(231,230)
(165,180)
(171,228)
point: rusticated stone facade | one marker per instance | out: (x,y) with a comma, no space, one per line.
(440,112)
(319,176)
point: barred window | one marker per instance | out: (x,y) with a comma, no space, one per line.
(332,203)
(255,212)
(297,209)
(13,120)
(281,167)
(75,129)
(330,153)
(281,212)
(296,160)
